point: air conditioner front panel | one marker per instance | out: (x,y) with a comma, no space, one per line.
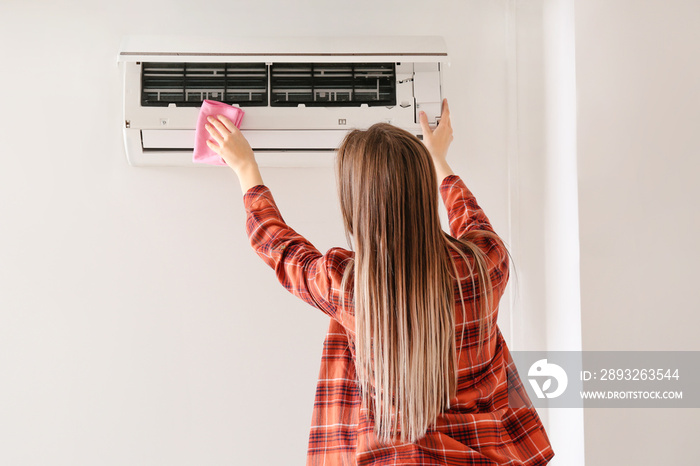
(333,49)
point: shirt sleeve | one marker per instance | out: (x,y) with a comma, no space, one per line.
(298,265)
(465,214)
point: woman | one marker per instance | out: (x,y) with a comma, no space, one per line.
(405,378)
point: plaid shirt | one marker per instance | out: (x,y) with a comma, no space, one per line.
(480,428)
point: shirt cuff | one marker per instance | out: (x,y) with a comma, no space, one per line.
(449,179)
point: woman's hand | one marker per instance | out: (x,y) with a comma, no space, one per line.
(438,141)
(230,144)
(235,150)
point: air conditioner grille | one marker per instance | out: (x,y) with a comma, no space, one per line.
(246,84)
(188,84)
(333,84)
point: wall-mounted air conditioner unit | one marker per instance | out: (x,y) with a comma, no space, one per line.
(301,95)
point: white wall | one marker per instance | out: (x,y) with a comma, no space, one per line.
(544,195)
(137,325)
(638,69)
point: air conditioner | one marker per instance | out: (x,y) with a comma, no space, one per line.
(301,95)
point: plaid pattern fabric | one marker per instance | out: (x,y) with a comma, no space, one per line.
(479,428)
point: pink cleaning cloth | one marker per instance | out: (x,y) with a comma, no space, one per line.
(202,152)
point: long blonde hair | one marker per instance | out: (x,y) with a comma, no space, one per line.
(403,285)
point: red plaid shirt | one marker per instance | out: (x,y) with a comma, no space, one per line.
(479,429)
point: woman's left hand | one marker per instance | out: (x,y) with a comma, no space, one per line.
(230,143)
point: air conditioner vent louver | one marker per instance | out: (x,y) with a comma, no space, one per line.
(333,84)
(188,84)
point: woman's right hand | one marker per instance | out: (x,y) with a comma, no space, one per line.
(437,141)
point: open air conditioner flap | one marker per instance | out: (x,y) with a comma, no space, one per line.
(288,49)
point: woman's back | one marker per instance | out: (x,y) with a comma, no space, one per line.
(414,368)
(479,426)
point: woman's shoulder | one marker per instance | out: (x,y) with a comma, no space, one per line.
(339,256)
(337,260)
